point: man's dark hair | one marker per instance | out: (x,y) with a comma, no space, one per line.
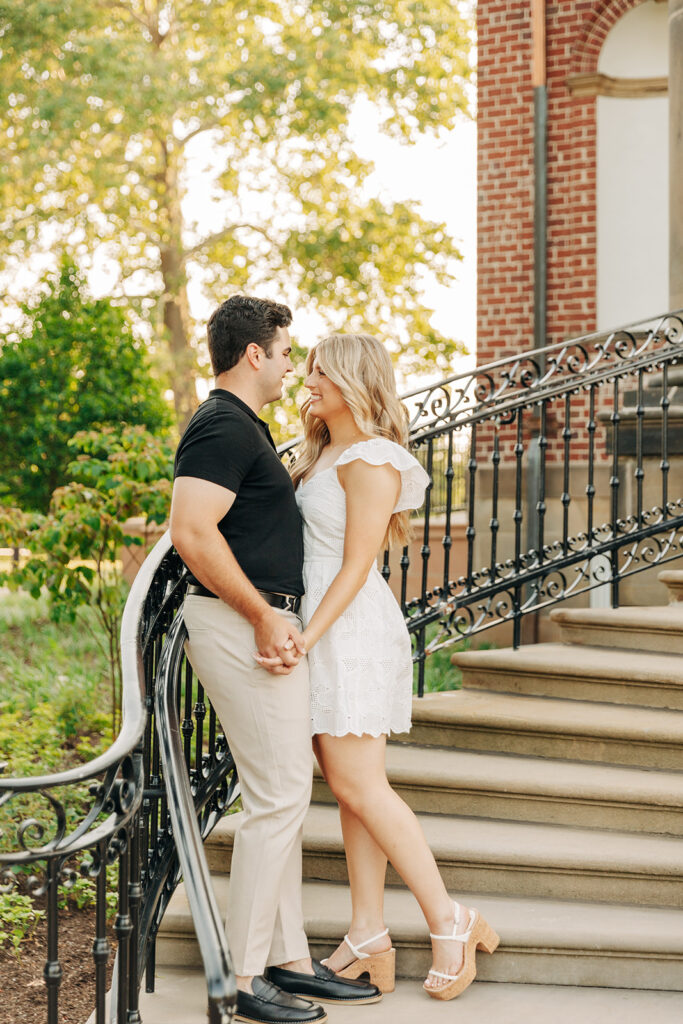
(240,321)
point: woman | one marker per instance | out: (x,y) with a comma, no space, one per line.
(355,485)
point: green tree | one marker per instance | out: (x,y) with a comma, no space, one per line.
(73,551)
(73,363)
(103,102)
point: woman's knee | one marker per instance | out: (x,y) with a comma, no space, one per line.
(357,794)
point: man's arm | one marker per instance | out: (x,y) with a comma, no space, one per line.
(197,508)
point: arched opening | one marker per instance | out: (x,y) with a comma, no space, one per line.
(633,171)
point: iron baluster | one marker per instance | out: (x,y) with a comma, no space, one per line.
(425,550)
(590,486)
(471,531)
(615,419)
(187,726)
(420,637)
(518,519)
(405,565)
(540,504)
(52,971)
(664,463)
(386,568)
(123,927)
(212,734)
(134,900)
(566,493)
(447,539)
(639,472)
(100,946)
(494,523)
(200,715)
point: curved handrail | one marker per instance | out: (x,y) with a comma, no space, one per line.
(220,978)
(133,712)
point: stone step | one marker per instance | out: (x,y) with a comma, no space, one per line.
(503,857)
(507,723)
(673,581)
(180,998)
(578,672)
(433,780)
(543,942)
(657,629)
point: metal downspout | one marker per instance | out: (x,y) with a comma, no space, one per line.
(538,81)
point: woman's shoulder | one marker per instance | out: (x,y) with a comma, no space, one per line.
(377,451)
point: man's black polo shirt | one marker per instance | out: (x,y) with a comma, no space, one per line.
(226,443)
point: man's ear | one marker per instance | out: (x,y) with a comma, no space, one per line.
(254,354)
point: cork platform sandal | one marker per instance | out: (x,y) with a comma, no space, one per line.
(478,935)
(380,966)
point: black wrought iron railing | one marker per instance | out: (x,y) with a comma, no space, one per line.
(569,480)
(121,813)
(570,456)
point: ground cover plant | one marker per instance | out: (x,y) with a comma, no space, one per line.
(53,689)
(440,674)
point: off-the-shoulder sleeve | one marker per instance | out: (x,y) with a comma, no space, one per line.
(377,452)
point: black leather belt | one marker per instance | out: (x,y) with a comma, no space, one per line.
(288,602)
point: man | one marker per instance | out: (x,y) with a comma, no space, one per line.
(235,524)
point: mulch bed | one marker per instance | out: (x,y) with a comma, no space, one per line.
(23,998)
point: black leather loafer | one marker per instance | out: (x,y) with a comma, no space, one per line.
(324,985)
(271,1005)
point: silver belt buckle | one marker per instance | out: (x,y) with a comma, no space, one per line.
(289,602)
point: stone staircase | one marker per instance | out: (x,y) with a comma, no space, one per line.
(551,792)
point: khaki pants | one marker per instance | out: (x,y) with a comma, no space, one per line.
(266,719)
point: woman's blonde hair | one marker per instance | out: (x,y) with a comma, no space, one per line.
(361,368)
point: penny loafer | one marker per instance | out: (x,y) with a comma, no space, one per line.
(271,1005)
(324,985)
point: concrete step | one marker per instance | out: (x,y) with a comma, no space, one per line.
(542,941)
(673,581)
(578,672)
(507,723)
(504,857)
(432,780)
(180,998)
(639,629)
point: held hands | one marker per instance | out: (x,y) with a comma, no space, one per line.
(279,645)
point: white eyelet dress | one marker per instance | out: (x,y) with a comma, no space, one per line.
(361,668)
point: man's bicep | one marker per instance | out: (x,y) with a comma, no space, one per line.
(198,503)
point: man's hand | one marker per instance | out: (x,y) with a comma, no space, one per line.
(279,644)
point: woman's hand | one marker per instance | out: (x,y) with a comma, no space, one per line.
(293,650)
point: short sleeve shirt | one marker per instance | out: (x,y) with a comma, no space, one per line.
(226,443)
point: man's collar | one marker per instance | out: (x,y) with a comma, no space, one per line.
(229,396)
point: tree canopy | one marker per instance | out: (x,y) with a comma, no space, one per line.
(74,363)
(106,105)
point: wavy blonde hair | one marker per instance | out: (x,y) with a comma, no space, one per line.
(361,368)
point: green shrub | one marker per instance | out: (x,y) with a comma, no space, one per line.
(18,918)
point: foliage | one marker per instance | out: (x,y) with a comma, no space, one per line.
(440,674)
(73,364)
(51,718)
(109,109)
(18,916)
(74,549)
(41,661)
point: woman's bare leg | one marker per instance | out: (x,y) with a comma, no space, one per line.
(354,769)
(367,867)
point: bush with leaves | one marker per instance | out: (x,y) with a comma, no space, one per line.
(116,475)
(74,363)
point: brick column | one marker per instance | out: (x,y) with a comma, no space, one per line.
(676,153)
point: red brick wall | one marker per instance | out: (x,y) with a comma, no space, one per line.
(575,32)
